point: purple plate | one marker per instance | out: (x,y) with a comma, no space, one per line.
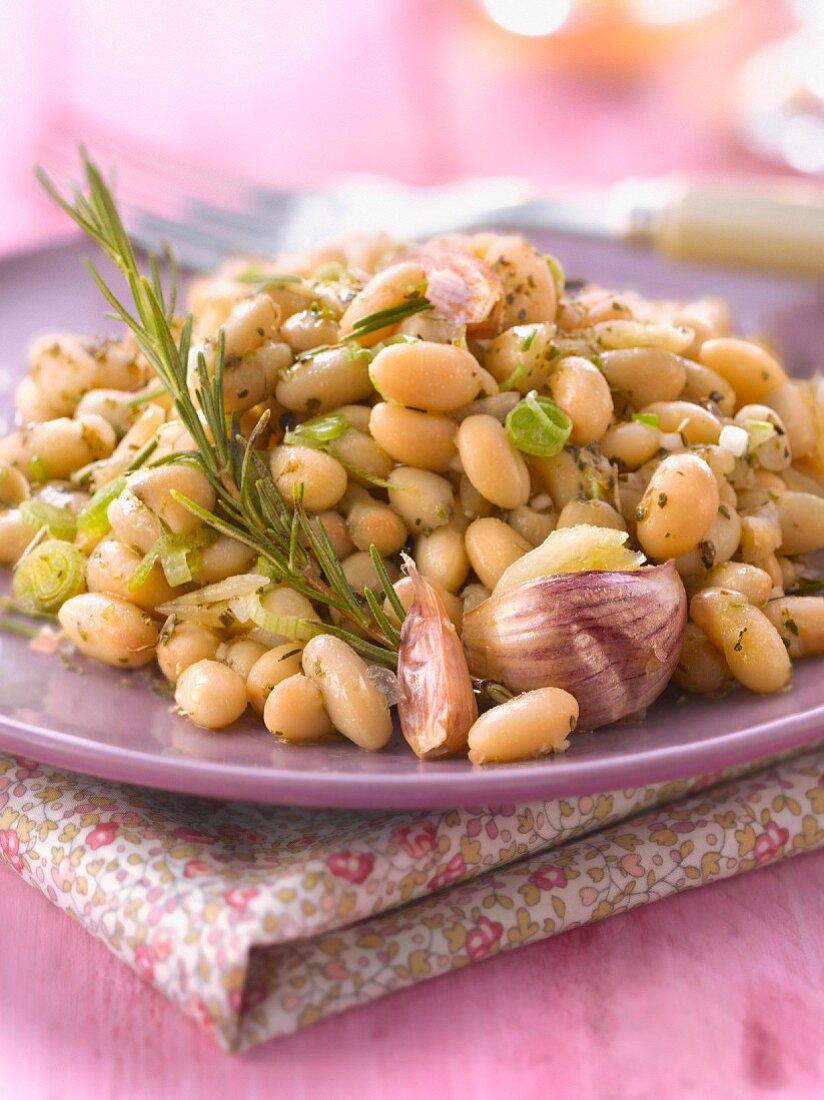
(98,720)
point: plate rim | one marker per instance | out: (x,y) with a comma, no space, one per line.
(543,779)
(444,790)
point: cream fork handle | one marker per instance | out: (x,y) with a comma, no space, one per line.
(769,225)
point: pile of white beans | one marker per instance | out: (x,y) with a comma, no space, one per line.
(661,397)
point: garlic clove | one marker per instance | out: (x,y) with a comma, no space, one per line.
(610,638)
(436,703)
(573,550)
(459,284)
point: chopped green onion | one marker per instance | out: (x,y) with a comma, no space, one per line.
(257,275)
(93,521)
(60,521)
(22,630)
(648,418)
(393,315)
(48,576)
(175,564)
(526,343)
(538,426)
(172,551)
(8,604)
(141,572)
(352,350)
(318,431)
(759,432)
(511,382)
(329,272)
(398,338)
(557,273)
(38,469)
(251,609)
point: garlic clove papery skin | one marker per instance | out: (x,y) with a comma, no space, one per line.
(612,639)
(436,701)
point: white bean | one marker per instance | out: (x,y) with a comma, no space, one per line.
(223,558)
(13,486)
(441,557)
(15,536)
(240,654)
(322,477)
(269,670)
(64,367)
(433,377)
(533,724)
(582,392)
(109,629)
(425,440)
(325,381)
(133,522)
(154,488)
(211,694)
(422,499)
(529,288)
(375,524)
(182,644)
(109,568)
(492,546)
(33,405)
(678,508)
(60,446)
(356,707)
(294,711)
(491,463)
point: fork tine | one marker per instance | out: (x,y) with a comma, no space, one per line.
(194,247)
(141,156)
(206,214)
(164,198)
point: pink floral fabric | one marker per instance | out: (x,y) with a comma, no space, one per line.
(257,921)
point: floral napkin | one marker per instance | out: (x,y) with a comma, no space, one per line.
(257,921)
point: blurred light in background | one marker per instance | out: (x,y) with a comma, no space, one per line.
(782,94)
(605,39)
(529,17)
(673,11)
(541,17)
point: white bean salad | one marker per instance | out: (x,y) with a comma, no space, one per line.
(430,476)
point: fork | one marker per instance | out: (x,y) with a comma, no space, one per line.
(206,214)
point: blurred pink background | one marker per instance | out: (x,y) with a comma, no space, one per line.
(422,89)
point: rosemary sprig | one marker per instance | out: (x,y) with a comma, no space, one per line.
(393,315)
(144,398)
(249,506)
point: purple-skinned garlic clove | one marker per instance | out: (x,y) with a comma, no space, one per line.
(610,638)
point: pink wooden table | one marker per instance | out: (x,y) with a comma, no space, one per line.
(715,993)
